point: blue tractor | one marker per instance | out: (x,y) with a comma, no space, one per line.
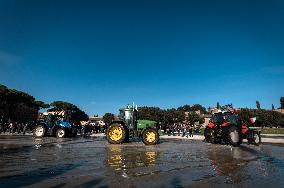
(53,125)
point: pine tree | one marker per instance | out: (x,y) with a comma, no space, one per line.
(282,102)
(258,105)
(218,105)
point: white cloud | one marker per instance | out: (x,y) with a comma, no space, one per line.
(8,59)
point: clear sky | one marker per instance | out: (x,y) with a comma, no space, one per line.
(101,55)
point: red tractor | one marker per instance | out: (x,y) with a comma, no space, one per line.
(226,127)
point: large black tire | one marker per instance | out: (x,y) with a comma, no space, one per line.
(209,135)
(127,136)
(61,133)
(256,140)
(74,133)
(116,133)
(234,136)
(150,136)
(39,131)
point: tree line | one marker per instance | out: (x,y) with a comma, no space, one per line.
(265,118)
(167,116)
(22,107)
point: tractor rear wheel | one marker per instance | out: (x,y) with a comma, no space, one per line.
(234,136)
(61,133)
(256,138)
(150,136)
(209,135)
(116,133)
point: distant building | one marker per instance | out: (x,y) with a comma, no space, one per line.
(213,110)
(279,110)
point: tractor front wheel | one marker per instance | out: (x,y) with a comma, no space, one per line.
(39,131)
(256,138)
(61,133)
(116,133)
(150,136)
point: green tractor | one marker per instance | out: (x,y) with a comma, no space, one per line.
(128,127)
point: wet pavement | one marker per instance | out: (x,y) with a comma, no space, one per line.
(92,162)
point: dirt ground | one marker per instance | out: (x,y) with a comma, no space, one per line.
(92,162)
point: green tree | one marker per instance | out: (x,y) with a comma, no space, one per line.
(41,104)
(108,118)
(227,107)
(282,102)
(72,110)
(61,105)
(218,105)
(264,118)
(173,116)
(193,117)
(257,105)
(151,113)
(18,105)
(272,107)
(199,107)
(185,108)
(195,107)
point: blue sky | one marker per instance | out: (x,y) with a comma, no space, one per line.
(101,55)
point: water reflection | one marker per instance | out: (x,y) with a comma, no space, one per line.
(129,161)
(231,162)
(115,158)
(38,143)
(151,157)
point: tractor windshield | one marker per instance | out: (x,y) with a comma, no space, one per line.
(128,114)
(217,118)
(233,119)
(125,114)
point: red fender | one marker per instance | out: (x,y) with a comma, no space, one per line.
(225,124)
(211,125)
(245,129)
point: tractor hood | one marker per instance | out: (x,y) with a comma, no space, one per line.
(142,124)
(64,124)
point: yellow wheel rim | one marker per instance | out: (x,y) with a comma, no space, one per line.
(150,136)
(115,133)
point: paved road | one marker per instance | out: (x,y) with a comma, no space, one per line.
(92,162)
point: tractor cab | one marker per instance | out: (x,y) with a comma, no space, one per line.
(129,116)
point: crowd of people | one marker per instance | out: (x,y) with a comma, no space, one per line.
(181,129)
(90,128)
(11,127)
(8,126)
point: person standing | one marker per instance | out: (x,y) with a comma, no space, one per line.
(191,130)
(187,129)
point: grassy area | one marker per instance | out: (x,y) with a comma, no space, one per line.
(263,131)
(272,131)
(202,131)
